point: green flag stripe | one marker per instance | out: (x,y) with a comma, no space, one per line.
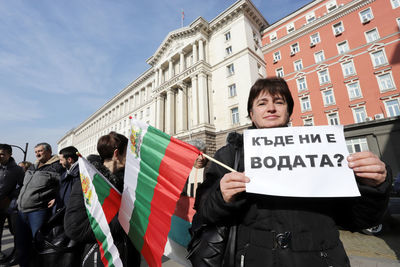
(152,152)
(100,236)
(102,188)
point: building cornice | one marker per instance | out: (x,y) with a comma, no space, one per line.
(318,23)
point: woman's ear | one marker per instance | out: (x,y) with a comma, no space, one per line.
(115,154)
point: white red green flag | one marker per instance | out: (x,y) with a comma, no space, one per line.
(102,202)
(157,166)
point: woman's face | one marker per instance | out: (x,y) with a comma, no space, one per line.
(269,111)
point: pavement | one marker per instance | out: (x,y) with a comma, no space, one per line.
(382,250)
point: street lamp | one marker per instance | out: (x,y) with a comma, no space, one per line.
(23,151)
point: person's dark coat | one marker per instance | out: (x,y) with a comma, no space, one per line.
(40,185)
(77,225)
(10,175)
(67,179)
(267,224)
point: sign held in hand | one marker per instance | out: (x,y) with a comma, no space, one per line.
(298,162)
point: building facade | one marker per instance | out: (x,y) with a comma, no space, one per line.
(195,87)
(340,58)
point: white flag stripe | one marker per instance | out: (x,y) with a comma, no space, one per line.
(132,169)
(95,209)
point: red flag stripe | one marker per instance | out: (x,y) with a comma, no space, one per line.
(176,165)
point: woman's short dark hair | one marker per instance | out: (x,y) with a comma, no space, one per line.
(108,143)
(273,86)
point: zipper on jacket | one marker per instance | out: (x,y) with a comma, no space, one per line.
(324,255)
(243,255)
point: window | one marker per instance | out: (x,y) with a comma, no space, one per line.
(348,68)
(378,58)
(315,38)
(354,90)
(310,17)
(141,114)
(235,115)
(277,55)
(308,122)
(366,15)
(232,90)
(323,76)
(371,35)
(338,28)
(230,69)
(305,103)
(398,23)
(319,56)
(331,6)
(392,108)
(227,36)
(385,82)
(333,119)
(395,3)
(359,114)
(328,97)
(298,65)
(357,145)
(343,47)
(279,72)
(148,112)
(290,28)
(272,36)
(228,50)
(294,48)
(301,84)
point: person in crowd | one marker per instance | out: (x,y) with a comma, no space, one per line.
(287,231)
(25,165)
(10,175)
(69,160)
(36,198)
(196,175)
(112,151)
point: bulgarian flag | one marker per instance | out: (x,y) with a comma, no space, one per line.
(102,202)
(157,166)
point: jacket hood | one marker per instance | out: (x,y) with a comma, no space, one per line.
(53,159)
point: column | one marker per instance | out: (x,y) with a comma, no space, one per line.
(201,50)
(170,69)
(181,62)
(181,109)
(194,47)
(160,113)
(159,76)
(194,101)
(203,98)
(156,78)
(170,113)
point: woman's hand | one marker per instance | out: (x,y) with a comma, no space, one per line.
(231,184)
(368,167)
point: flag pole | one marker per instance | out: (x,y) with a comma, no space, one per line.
(218,162)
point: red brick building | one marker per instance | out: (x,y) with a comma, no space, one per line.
(340,58)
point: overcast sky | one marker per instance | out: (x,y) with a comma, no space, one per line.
(62,60)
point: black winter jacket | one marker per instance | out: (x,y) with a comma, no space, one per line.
(77,225)
(10,175)
(287,231)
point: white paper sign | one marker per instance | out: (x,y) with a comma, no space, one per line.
(298,162)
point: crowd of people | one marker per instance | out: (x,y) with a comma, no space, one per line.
(269,230)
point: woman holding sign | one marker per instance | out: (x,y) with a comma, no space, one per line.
(287,231)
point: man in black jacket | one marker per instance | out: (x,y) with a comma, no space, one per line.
(69,160)
(10,175)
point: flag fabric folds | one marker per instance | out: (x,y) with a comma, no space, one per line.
(102,202)
(157,167)
(179,236)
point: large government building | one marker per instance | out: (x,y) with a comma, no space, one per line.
(341,59)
